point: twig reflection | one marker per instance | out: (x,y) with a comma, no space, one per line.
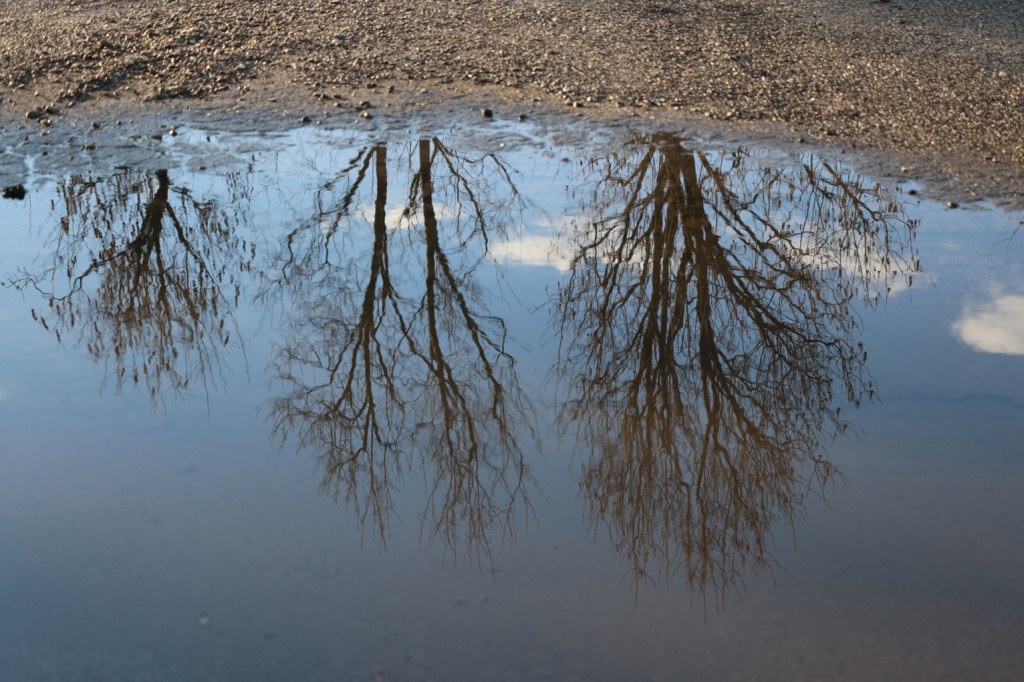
(708,341)
(390,356)
(145,276)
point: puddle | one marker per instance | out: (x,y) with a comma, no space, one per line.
(474,405)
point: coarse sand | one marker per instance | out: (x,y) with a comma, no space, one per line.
(932,88)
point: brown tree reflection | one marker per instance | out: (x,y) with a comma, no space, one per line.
(709,341)
(393,362)
(145,275)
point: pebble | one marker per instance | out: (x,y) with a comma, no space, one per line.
(13,192)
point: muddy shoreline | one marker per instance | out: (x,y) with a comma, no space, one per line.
(909,90)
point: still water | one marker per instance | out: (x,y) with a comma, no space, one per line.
(323,406)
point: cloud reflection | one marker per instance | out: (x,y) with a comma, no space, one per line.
(995,328)
(537,250)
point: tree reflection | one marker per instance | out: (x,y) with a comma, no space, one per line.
(145,275)
(709,340)
(391,356)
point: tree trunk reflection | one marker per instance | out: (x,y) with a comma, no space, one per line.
(146,277)
(416,375)
(707,341)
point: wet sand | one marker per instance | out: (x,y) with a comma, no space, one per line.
(932,90)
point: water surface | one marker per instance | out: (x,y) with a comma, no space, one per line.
(323,405)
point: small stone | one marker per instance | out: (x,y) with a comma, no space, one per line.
(487,113)
(13,192)
(522,117)
(89,146)
(366,114)
(305,119)
(952,204)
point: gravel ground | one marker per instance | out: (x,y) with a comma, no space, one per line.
(939,81)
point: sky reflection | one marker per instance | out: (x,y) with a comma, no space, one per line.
(549,408)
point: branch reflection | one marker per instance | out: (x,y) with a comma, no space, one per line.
(391,356)
(709,340)
(145,275)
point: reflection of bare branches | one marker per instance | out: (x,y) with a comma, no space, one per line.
(152,274)
(351,414)
(706,325)
(404,360)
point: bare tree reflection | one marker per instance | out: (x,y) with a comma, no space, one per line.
(145,275)
(708,341)
(391,358)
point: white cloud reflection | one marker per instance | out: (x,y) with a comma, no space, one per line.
(885,273)
(539,250)
(994,328)
(396,218)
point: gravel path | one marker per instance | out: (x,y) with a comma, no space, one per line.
(940,79)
